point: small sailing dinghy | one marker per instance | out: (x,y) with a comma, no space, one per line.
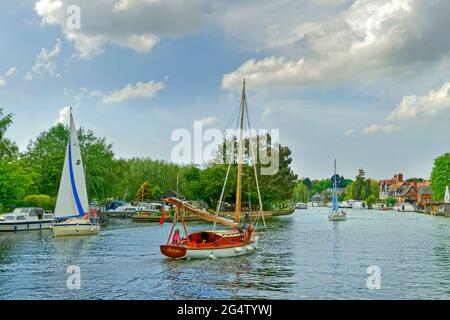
(72,215)
(238,240)
(336,214)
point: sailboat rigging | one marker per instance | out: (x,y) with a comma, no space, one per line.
(238,239)
(335,214)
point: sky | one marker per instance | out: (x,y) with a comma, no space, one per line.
(365,82)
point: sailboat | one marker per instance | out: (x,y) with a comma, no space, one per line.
(335,214)
(72,215)
(237,240)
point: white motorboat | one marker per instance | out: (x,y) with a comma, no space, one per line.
(22,219)
(360,205)
(406,207)
(72,207)
(301,206)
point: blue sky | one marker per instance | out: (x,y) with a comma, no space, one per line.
(365,82)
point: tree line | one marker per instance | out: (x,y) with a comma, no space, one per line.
(32,177)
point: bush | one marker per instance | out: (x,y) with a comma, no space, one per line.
(371,200)
(390,202)
(39,200)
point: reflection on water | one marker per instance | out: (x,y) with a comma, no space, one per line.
(299,256)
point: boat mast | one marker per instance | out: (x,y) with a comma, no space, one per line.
(239,160)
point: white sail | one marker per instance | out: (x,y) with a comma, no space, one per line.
(72,195)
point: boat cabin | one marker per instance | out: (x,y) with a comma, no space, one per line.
(27,214)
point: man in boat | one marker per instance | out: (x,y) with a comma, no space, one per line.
(245,231)
(176,237)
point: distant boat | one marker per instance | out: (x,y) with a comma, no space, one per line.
(301,206)
(72,215)
(360,205)
(406,207)
(313,204)
(22,219)
(335,214)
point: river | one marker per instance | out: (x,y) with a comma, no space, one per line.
(302,256)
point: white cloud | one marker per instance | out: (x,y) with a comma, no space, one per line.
(8,73)
(63,115)
(45,62)
(349,131)
(132,91)
(207,121)
(135,24)
(367,41)
(433,104)
(375,128)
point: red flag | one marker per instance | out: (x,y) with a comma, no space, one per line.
(162,217)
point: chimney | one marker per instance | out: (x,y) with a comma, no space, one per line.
(415,183)
(400,177)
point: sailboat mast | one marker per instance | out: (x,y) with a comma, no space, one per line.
(240,154)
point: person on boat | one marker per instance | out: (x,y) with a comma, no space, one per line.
(176,236)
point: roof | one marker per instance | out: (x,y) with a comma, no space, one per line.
(424,190)
(394,187)
(387,181)
(404,190)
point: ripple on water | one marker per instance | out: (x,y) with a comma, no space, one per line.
(303,256)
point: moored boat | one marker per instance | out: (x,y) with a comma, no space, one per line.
(72,214)
(22,219)
(301,206)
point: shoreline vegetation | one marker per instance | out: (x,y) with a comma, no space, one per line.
(31,177)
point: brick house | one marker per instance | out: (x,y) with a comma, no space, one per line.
(389,187)
(406,193)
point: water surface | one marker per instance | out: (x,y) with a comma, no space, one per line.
(302,256)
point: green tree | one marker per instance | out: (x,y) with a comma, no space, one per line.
(7,147)
(300,193)
(440,176)
(15,181)
(45,157)
(40,200)
(144,193)
(370,200)
(390,202)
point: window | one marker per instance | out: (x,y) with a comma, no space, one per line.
(10,218)
(20,218)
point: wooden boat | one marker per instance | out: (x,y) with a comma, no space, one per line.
(237,240)
(72,207)
(335,214)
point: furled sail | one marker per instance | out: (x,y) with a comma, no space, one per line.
(201,213)
(72,197)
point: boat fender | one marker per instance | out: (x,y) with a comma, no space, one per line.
(238,249)
(212,256)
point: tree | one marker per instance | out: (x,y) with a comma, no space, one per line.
(440,176)
(300,193)
(308,183)
(40,200)
(144,192)
(15,181)
(7,147)
(45,158)
(390,202)
(371,200)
